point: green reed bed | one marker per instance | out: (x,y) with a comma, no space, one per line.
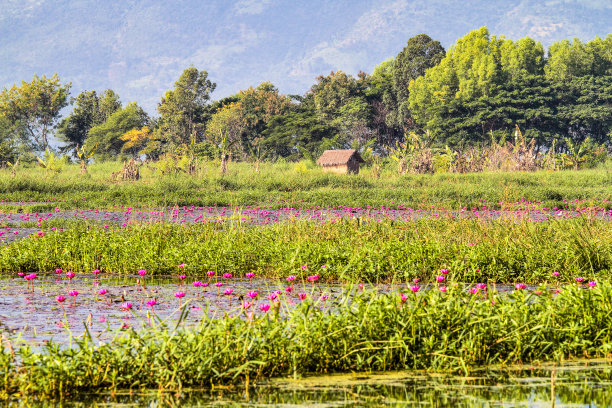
(301,185)
(352,250)
(362,331)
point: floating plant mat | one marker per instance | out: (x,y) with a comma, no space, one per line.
(36,316)
(571,384)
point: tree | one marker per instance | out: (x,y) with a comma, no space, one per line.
(33,109)
(224,130)
(331,92)
(108,134)
(135,141)
(184,110)
(419,54)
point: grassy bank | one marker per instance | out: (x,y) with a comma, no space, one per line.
(364,331)
(302,185)
(475,250)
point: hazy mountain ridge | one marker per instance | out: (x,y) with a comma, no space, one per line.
(139,49)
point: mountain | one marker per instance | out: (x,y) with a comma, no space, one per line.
(140,47)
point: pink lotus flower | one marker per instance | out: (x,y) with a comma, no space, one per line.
(95,271)
(272,296)
(313,278)
(403,298)
(474,290)
(70,275)
(520,286)
(290,278)
(592,284)
(252,294)
(250,275)
(442,289)
(288,289)
(324,297)
(142,272)
(302,295)
(219,284)
(179,294)
(182,277)
(74,293)
(102,292)
(152,302)
(579,279)
(265,307)
(60,298)
(555,274)
(247,305)
(210,274)
(126,306)
(440,278)
(481,286)
(58,271)
(304,267)
(229,291)
(20,274)
(181,266)
(444,271)
(415,288)
(416,280)
(227,275)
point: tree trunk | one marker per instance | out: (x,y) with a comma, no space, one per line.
(224,163)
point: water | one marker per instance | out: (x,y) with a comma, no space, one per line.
(576,384)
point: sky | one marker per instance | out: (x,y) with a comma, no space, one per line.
(140,47)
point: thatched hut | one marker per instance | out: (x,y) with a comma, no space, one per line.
(340,161)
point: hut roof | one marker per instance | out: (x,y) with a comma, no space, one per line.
(338,157)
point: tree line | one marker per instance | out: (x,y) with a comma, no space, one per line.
(479,92)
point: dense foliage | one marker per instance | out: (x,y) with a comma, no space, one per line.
(476,94)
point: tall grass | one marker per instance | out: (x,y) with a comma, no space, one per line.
(454,331)
(353,250)
(284,184)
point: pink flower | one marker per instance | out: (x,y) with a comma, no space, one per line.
(152,302)
(482,286)
(537,292)
(182,277)
(592,283)
(95,271)
(520,286)
(313,278)
(558,291)
(302,295)
(142,272)
(181,266)
(229,291)
(265,307)
(60,298)
(442,289)
(415,288)
(219,284)
(403,298)
(74,293)
(272,296)
(324,297)
(323,266)
(210,274)
(179,294)
(197,284)
(444,271)
(203,284)
(290,278)
(440,278)
(126,306)
(247,305)
(102,292)
(416,280)
(227,275)
(360,286)
(579,279)
(252,294)
(304,267)
(474,290)
(250,275)
(70,275)
(58,271)
(21,274)
(555,274)
(288,289)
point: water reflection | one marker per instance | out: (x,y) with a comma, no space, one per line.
(581,384)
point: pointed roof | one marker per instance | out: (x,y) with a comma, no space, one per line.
(338,157)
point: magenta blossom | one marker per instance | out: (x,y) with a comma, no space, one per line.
(415,288)
(313,278)
(126,306)
(592,284)
(416,280)
(272,296)
(324,297)
(304,267)
(520,286)
(444,271)
(442,289)
(142,272)
(60,298)
(403,298)
(182,277)
(250,275)
(74,293)
(58,271)
(302,295)
(290,278)
(179,294)
(210,274)
(228,291)
(95,271)
(102,292)
(440,278)
(70,275)
(555,274)
(181,266)
(219,284)
(482,286)
(152,302)
(579,279)
(252,294)
(265,307)
(227,275)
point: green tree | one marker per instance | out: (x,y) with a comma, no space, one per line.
(184,110)
(224,131)
(32,109)
(420,53)
(107,136)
